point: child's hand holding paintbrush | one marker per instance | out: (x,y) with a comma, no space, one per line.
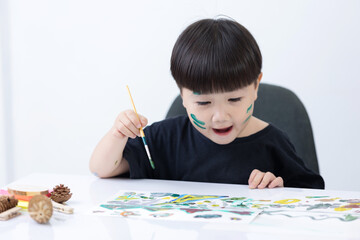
(128,124)
(107,158)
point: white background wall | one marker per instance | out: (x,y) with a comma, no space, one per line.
(2,124)
(71,59)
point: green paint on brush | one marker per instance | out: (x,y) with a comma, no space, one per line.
(197,120)
(247,119)
(198,125)
(152,164)
(247,111)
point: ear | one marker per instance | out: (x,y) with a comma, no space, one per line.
(257,84)
(182,98)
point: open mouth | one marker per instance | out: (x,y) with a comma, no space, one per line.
(222,131)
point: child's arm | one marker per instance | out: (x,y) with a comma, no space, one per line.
(262,180)
(107,159)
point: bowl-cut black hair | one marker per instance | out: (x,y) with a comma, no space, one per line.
(215,55)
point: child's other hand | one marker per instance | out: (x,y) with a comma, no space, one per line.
(262,180)
(127,124)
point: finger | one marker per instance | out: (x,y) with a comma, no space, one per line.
(143,120)
(122,129)
(131,122)
(252,175)
(257,179)
(268,177)
(117,133)
(134,118)
(278,182)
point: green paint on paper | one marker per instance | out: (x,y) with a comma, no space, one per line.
(234,199)
(247,111)
(198,125)
(349,218)
(197,120)
(351,200)
(207,216)
(247,119)
(317,196)
(319,206)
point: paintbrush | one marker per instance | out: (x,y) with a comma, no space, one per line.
(141,132)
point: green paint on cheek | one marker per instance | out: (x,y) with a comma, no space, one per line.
(247,119)
(197,120)
(247,111)
(198,125)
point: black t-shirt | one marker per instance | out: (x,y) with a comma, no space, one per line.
(181,152)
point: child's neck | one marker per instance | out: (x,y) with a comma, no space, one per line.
(254,125)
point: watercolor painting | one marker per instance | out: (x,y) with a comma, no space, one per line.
(177,207)
(218,208)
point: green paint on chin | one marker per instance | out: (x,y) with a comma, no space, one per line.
(247,111)
(196,120)
(198,125)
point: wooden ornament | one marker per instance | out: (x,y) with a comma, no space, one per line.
(62,208)
(8,214)
(7,202)
(60,194)
(40,208)
(27,190)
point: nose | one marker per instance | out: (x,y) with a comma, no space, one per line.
(220,114)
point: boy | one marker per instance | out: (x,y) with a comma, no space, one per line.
(216,63)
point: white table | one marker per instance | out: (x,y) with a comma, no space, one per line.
(89,191)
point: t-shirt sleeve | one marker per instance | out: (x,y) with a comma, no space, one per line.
(292,168)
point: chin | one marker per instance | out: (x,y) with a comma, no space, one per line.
(222,141)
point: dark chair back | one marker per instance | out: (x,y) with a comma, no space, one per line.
(282,108)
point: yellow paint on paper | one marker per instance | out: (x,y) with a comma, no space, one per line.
(188,198)
(287,201)
(126,198)
(341,209)
(258,205)
(345,207)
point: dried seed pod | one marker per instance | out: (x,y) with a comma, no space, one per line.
(7,202)
(60,193)
(40,208)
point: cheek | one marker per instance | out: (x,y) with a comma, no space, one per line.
(249,109)
(249,112)
(197,121)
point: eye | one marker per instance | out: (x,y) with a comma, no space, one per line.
(235,99)
(203,103)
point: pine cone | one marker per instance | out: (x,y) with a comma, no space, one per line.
(7,202)
(60,193)
(40,208)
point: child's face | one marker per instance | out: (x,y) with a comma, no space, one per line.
(221,117)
